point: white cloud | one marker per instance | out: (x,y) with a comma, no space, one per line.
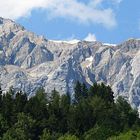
(71,9)
(90,37)
(95,3)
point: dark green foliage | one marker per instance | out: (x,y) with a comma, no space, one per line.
(102,91)
(91,115)
(46,135)
(0,90)
(81,91)
(15,134)
(78,92)
(7,107)
(130,135)
(3,125)
(0,97)
(97,133)
(20,101)
(68,137)
(22,129)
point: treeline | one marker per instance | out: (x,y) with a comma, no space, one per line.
(90,114)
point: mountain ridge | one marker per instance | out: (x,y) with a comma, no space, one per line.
(29,61)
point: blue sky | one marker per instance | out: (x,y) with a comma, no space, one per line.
(111,21)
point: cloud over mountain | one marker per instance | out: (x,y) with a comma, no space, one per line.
(90,37)
(85,13)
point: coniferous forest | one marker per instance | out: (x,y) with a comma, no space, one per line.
(90,114)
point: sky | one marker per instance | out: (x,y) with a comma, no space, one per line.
(108,21)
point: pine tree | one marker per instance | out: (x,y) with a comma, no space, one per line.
(7,107)
(0,90)
(84,90)
(46,135)
(3,125)
(0,97)
(77,92)
(20,101)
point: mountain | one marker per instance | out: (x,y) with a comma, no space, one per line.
(28,61)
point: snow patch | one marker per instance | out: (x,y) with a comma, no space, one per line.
(89,59)
(74,41)
(108,44)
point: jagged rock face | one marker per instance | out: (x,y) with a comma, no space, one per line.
(28,61)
